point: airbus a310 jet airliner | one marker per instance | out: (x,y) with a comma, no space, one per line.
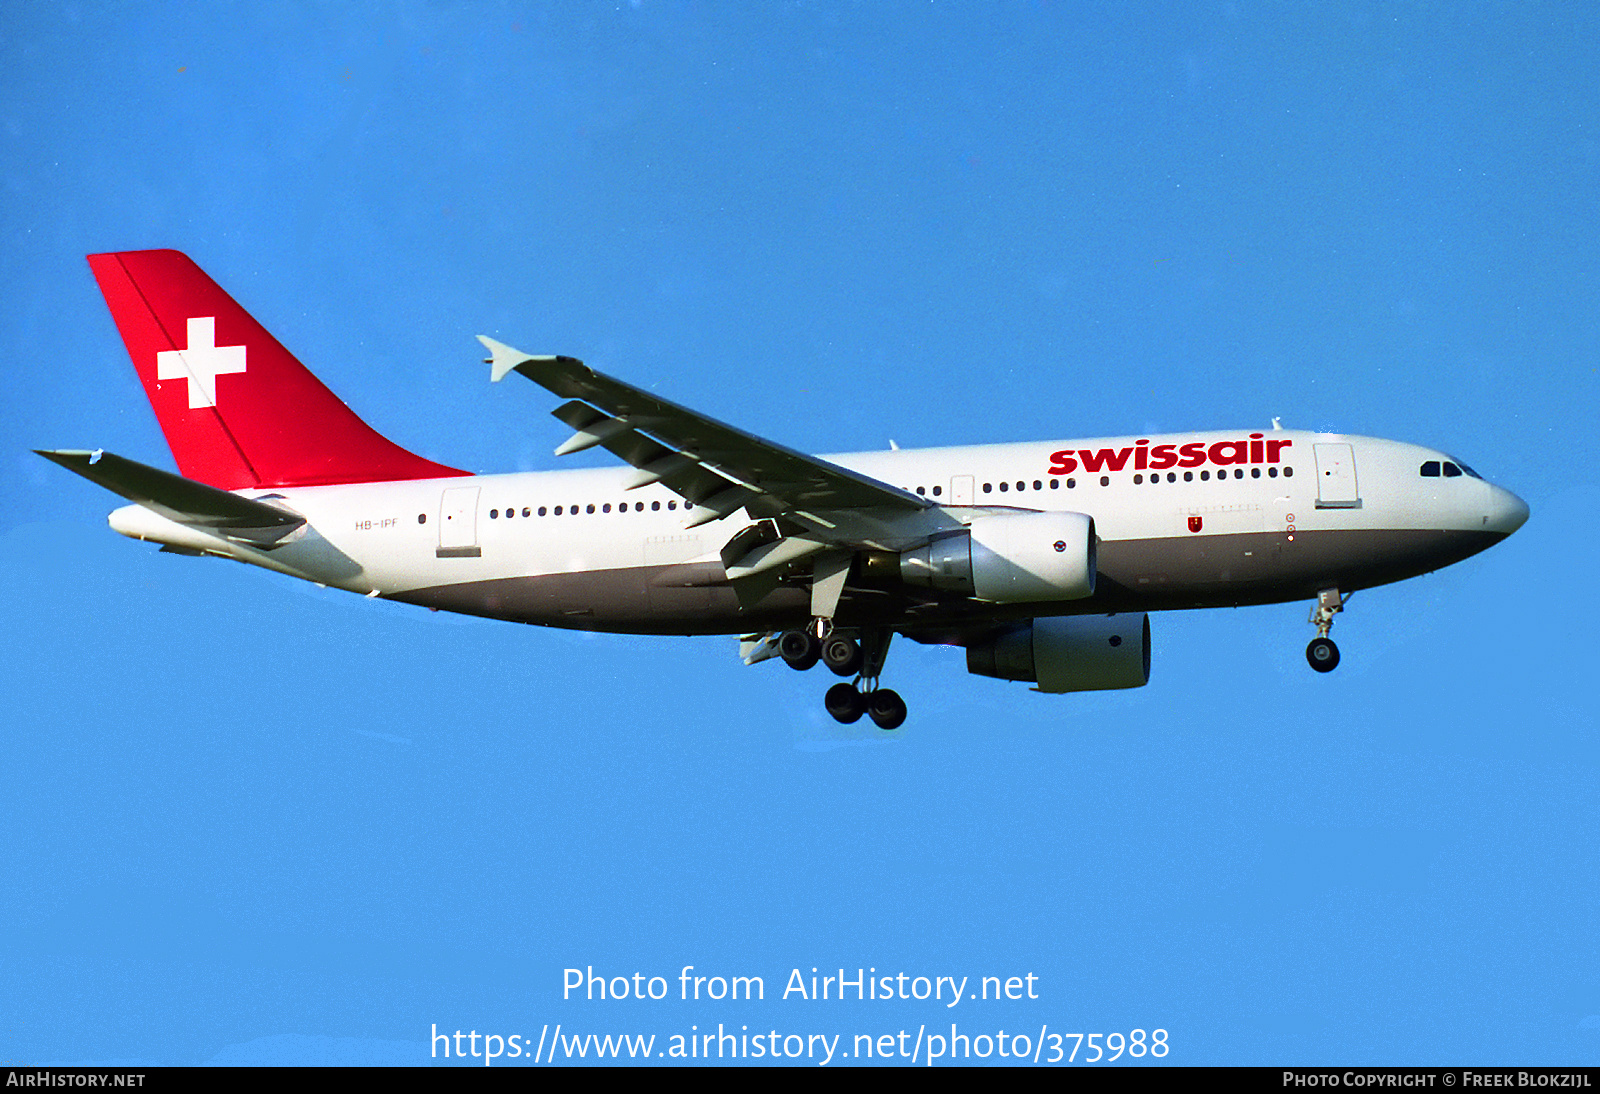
(1042,559)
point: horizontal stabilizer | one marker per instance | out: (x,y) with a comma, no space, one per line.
(180,499)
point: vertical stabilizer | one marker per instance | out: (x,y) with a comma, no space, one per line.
(238,409)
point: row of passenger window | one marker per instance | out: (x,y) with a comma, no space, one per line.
(570,510)
(937,491)
(1238,473)
(574,510)
(1138,480)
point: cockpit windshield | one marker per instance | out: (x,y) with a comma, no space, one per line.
(1433,469)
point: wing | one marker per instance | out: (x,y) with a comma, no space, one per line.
(717,468)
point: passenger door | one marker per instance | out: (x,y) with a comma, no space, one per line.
(458,523)
(1336,477)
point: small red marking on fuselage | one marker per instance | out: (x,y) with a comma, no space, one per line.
(1195,523)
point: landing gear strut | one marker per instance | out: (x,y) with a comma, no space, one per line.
(845,656)
(1322,654)
(884,706)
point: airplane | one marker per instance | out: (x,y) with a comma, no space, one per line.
(1042,559)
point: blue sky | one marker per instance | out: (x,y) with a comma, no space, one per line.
(250,821)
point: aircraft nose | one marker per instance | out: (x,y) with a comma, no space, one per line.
(1506,512)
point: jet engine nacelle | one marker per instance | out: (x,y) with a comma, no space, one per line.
(1012,558)
(1070,653)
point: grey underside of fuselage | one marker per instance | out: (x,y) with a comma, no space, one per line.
(1163,574)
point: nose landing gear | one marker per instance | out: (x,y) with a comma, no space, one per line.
(1322,654)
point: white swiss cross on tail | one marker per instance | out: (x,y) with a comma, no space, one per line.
(201,363)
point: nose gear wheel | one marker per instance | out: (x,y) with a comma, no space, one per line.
(1322,654)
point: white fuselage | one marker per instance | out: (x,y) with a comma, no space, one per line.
(1184,520)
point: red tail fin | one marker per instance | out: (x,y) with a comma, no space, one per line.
(238,410)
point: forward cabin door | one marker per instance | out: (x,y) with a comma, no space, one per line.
(458,523)
(1336,477)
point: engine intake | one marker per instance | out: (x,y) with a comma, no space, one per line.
(1070,653)
(1013,558)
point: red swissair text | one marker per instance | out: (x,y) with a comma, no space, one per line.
(1256,449)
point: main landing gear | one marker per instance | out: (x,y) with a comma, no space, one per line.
(1322,654)
(846,656)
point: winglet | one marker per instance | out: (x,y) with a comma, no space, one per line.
(504,359)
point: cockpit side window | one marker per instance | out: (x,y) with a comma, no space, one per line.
(1430,470)
(1451,471)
